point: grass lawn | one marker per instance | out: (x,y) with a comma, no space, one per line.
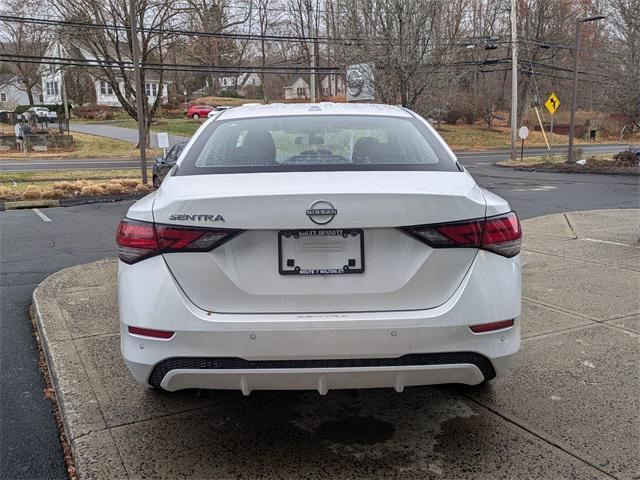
(88,146)
(184,127)
(476,137)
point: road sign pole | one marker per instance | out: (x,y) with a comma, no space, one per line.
(551,132)
(514,80)
(522,152)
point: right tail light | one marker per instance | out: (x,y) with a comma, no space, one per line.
(500,234)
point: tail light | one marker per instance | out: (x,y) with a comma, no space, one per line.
(500,234)
(139,240)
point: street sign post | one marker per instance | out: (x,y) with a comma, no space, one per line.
(163,141)
(523,133)
(552,104)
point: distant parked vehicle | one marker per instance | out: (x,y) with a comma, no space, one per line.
(197,111)
(166,163)
(42,113)
(217,111)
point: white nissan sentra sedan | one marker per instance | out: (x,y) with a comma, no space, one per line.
(318,246)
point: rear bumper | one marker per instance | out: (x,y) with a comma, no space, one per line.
(319,351)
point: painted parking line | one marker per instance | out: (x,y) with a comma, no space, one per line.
(41,215)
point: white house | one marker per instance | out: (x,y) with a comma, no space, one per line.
(240,83)
(330,86)
(13,92)
(105,95)
(298,90)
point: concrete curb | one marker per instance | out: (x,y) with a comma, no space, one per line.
(74,409)
(64,202)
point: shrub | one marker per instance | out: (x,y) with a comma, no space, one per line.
(64,186)
(230,94)
(626,158)
(115,189)
(54,193)
(452,116)
(129,183)
(5,192)
(32,193)
(92,190)
(144,189)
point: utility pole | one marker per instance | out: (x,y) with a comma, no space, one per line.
(312,56)
(514,81)
(574,93)
(135,50)
(63,91)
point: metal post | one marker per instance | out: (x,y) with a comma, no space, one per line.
(574,93)
(312,58)
(514,81)
(551,132)
(142,138)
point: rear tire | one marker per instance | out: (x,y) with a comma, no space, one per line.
(156,181)
(195,116)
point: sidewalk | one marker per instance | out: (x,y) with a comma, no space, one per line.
(569,408)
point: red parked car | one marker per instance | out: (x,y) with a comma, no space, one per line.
(197,111)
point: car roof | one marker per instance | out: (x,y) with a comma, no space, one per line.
(322,108)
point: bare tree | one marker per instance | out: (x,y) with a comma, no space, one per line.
(24,39)
(216,16)
(115,46)
(625,69)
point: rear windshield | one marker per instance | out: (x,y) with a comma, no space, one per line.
(308,143)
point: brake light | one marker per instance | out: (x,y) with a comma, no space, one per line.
(500,234)
(138,240)
(490,327)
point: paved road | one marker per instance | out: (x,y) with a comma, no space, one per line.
(31,249)
(119,133)
(478,158)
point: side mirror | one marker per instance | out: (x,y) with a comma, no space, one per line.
(159,160)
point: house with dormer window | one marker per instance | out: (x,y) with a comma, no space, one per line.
(105,94)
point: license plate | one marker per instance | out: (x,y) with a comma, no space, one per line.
(321,252)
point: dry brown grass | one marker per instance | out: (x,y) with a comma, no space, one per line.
(144,189)
(92,190)
(54,194)
(129,183)
(64,186)
(5,192)
(32,192)
(115,189)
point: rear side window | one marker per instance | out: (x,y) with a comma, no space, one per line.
(308,143)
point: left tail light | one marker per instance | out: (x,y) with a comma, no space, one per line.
(500,234)
(138,240)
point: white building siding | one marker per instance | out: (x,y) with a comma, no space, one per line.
(11,96)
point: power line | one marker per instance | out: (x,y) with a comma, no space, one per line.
(112,63)
(347,41)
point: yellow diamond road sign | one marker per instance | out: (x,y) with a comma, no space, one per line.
(552,103)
